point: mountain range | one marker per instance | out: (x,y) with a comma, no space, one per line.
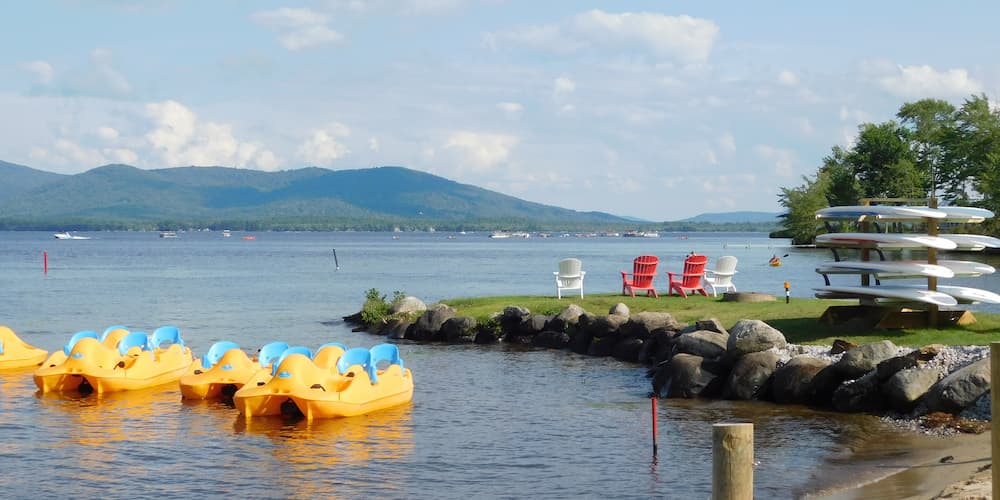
(123,196)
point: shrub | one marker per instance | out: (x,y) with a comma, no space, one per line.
(376,308)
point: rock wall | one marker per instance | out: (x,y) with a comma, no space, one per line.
(748,361)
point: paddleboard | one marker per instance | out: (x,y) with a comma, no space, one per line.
(971,215)
(972,242)
(886,269)
(966,295)
(961,268)
(884,240)
(879,212)
(896,293)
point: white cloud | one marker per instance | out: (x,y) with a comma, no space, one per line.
(180,139)
(78,154)
(788,78)
(480,150)
(107,133)
(805,126)
(782,161)
(682,38)
(42,70)
(299,28)
(727,143)
(416,7)
(925,81)
(511,109)
(323,147)
(563,86)
(373,144)
(121,155)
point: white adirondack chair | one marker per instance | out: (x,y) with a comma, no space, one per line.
(569,276)
(721,278)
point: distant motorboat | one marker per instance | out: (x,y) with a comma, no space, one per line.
(226,233)
(168,234)
(499,234)
(67,236)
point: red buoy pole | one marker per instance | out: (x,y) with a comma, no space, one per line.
(652,401)
(45,261)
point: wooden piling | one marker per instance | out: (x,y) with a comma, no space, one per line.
(995,412)
(732,461)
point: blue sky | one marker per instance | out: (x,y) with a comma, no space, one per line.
(654,109)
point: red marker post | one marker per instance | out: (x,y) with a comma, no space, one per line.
(652,402)
(787,294)
(45,262)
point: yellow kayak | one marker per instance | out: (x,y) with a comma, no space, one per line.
(361,381)
(16,353)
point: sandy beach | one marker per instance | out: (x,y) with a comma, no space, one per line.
(953,467)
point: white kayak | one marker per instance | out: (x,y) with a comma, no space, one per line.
(960,268)
(894,293)
(884,240)
(966,294)
(886,269)
(972,242)
(879,212)
(971,215)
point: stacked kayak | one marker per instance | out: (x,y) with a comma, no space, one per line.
(117,360)
(333,383)
(225,368)
(16,353)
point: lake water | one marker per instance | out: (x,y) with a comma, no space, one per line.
(494,421)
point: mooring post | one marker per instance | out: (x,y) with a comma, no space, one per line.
(732,461)
(995,413)
(652,401)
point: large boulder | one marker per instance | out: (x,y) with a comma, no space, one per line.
(459,329)
(824,383)
(960,389)
(751,376)
(529,327)
(657,347)
(708,345)
(753,335)
(579,341)
(641,325)
(551,339)
(619,309)
(407,305)
(605,326)
(905,388)
(886,369)
(512,317)
(566,318)
(627,350)
(860,360)
(792,381)
(428,325)
(396,328)
(861,395)
(683,377)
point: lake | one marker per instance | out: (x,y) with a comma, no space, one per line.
(494,421)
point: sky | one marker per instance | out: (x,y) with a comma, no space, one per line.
(651,109)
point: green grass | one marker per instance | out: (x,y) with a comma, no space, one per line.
(798,320)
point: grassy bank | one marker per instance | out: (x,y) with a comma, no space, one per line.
(798,320)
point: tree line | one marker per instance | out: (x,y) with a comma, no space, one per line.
(932,149)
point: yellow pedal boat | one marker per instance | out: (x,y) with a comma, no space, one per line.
(88,364)
(16,353)
(225,368)
(360,381)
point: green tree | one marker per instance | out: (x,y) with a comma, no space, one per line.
(884,163)
(843,188)
(930,123)
(802,203)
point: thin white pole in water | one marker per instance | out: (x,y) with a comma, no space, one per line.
(732,461)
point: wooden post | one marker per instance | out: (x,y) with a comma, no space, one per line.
(995,403)
(732,461)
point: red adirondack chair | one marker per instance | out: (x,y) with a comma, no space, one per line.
(690,280)
(643,272)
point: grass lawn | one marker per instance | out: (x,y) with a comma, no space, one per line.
(798,320)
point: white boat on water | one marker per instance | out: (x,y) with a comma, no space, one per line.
(66,235)
(168,234)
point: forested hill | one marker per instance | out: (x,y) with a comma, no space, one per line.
(117,196)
